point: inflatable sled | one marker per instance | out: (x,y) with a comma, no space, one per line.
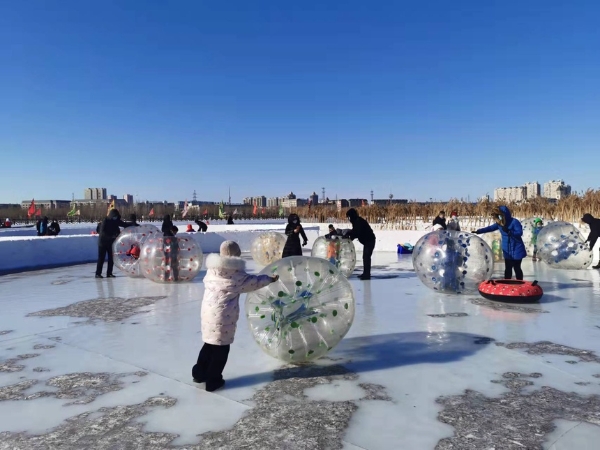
(514,291)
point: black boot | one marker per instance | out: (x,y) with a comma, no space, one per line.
(99,276)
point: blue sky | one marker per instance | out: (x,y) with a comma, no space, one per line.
(432,99)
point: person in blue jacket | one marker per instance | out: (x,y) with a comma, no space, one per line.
(513,247)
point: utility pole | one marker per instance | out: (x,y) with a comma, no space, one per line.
(323,191)
(194,196)
(371,196)
(229,195)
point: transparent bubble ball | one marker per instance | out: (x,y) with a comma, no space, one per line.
(267,247)
(453,262)
(167,259)
(561,246)
(131,236)
(339,252)
(494,240)
(305,313)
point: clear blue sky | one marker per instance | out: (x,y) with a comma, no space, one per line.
(426,99)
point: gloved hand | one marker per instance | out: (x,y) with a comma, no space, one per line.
(304,243)
(474,232)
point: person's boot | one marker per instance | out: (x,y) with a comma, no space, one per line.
(99,276)
(110,275)
(198,375)
(212,386)
(597,266)
(365,276)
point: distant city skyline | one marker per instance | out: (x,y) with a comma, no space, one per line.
(426,100)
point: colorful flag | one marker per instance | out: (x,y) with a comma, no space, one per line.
(281,211)
(235,212)
(221,211)
(78,212)
(254,210)
(151,212)
(31,210)
(205,211)
(111,205)
(185,209)
(262,211)
(38,213)
(72,212)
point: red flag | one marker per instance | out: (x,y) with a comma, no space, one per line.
(151,212)
(38,213)
(31,210)
(205,212)
(254,210)
(262,211)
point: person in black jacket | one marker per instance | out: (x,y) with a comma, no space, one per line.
(108,230)
(54,228)
(133,220)
(293,231)
(362,231)
(167,226)
(202,226)
(332,232)
(440,220)
(229,219)
(594,232)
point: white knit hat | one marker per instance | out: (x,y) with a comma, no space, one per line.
(230,248)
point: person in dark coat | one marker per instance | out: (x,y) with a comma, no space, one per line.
(167,226)
(362,231)
(201,225)
(230,220)
(171,249)
(38,226)
(440,220)
(594,232)
(293,231)
(43,230)
(513,247)
(54,228)
(133,220)
(108,230)
(332,232)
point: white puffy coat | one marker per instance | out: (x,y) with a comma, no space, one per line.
(225,280)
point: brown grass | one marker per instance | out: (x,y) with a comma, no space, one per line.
(399,216)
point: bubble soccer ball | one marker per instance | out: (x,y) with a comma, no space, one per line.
(126,241)
(339,252)
(267,247)
(304,314)
(167,259)
(561,245)
(453,262)
(529,235)
(494,240)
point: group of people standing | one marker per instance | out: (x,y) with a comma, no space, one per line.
(44,229)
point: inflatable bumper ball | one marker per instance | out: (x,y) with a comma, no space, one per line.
(561,246)
(167,259)
(305,313)
(127,248)
(494,240)
(339,252)
(267,247)
(453,262)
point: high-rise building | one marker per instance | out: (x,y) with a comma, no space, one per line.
(510,194)
(556,189)
(273,202)
(128,198)
(532,189)
(314,199)
(94,194)
(260,201)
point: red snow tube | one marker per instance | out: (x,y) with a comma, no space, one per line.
(511,291)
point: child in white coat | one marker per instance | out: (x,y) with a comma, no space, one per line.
(225,280)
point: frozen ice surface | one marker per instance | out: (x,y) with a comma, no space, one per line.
(91,362)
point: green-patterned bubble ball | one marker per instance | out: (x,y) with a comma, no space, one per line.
(304,314)
(339,252)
